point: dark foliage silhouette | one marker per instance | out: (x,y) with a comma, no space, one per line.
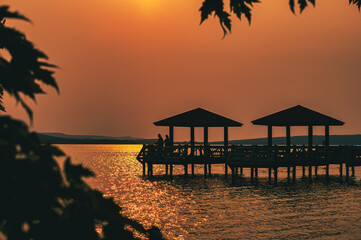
(244,7)
(40,200)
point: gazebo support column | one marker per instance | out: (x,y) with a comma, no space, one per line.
(327,144)
(171,134)
(327,136)
(288,144)
(310,144)
(269,135)
(192,147)
(206,150)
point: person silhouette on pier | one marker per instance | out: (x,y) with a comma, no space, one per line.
(160,141)
(167,141)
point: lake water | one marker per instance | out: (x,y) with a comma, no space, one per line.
(199,208)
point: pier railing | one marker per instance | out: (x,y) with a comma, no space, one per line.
(251,155)
(288,156)
(182,154)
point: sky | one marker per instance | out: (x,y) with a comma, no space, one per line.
(125,64)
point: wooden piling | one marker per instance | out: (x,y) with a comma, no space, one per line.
(347,173)
(225,170)
(166,169)
(269,175)
(353,171)
(209,169)
(327,172)
(341,170)
(185,170)
(316,168)
(310,173)
(205,170)
(143,169)
(252,175)
(288,174)
(192,169)
(171,170)
(294,175)
(241,171)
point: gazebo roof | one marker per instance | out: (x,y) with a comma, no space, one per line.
(297,116)
(198,118)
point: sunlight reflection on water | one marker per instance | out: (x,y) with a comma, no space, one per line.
(198,208)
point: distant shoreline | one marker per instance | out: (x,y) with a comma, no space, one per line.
(57,138)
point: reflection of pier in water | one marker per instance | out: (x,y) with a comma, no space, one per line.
(237,158)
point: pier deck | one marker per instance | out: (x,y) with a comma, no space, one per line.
(238,157)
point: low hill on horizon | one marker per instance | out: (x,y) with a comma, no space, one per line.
(61,138)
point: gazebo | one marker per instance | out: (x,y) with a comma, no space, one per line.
(298,116)
(198,118)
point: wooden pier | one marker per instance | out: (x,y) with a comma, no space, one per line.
(238,158)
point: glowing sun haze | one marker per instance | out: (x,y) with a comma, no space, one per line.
(125,64)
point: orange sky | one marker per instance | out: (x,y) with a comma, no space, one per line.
(127,63)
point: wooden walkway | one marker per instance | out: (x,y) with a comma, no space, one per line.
(237,158)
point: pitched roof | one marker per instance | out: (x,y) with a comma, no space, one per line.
(297,116)
(198,118)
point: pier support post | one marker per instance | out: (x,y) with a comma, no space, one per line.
(143,169)
(166,169)
(310,173)
(192,169)
(341,170)
(294,175)
(186,170)
(241,171)
(327,172)
(269,175)
(288,174)
(236,171)
(225,170)
(347,173)
(171,170)
(252,175)
(275,176)
(205,170)
(209,169)
(316,170)
(353,171)
(256,174)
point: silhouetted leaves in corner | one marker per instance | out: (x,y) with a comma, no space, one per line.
(356,2)
(244,7)
(27,66)
(301,3)
(39,200)
(238,7)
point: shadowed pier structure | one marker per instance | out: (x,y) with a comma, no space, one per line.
(239,157)
(295,116)
(189,154)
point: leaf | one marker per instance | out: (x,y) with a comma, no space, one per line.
(292,5)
